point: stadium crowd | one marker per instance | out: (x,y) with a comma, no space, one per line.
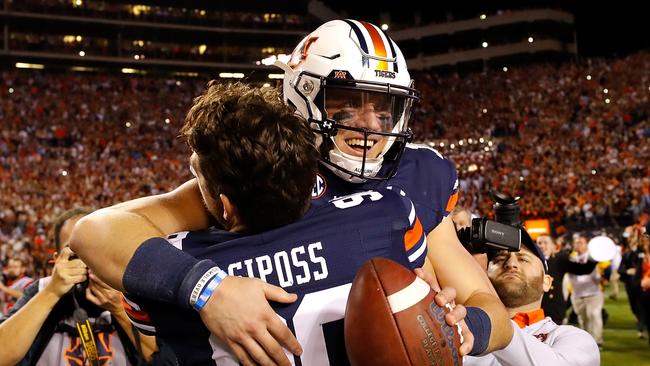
(571,139)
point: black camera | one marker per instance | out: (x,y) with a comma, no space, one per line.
(79,289)
(486,236)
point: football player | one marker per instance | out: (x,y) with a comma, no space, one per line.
(316,257)
(350,81)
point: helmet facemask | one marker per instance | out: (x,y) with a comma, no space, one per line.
(362,125)
(350,81)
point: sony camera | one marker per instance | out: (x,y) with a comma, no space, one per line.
(488,236)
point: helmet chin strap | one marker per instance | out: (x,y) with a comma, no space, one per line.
(353,163)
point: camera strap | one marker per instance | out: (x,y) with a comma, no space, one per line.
(85,330)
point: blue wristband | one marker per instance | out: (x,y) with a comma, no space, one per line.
(208,290)
(479,324)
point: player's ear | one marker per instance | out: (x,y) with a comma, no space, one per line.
(547,281)
(229,210)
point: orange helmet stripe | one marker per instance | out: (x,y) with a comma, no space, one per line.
(378,44)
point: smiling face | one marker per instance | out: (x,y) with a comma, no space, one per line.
(363,110)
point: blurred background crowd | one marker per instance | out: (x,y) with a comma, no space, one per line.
(529,100)
(573,140)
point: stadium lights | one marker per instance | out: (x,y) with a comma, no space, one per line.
(184,73)
(484,44)
(276,76)
(82,68)
(483,17)
(127,70)
(231,75)
(271,59)
(530,39)
(82,53)
(384,27)
(24,65)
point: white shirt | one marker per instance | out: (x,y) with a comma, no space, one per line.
(543,343)
(584,285)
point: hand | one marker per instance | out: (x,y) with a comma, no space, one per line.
(631,271)
(645,283)
(239,314)
(66,273)
(102,295)
(455,317)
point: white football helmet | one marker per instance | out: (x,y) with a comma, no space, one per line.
(355,64)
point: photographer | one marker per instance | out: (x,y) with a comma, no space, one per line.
(16,284)
(41,326)
(520,277)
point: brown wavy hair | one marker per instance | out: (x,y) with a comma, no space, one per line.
(254,149)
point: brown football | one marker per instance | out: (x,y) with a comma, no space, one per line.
(391,319)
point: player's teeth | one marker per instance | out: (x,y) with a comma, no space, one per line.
(359,142)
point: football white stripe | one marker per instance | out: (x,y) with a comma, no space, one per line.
(409,295)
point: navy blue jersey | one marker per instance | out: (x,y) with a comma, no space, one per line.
(316,258)
(428,179)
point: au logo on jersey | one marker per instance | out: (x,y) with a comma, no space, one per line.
(319,187)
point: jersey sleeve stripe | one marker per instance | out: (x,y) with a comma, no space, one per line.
(149,330)
(412,214)
(413,235)
(419,251)
(452,202)
(134,312)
